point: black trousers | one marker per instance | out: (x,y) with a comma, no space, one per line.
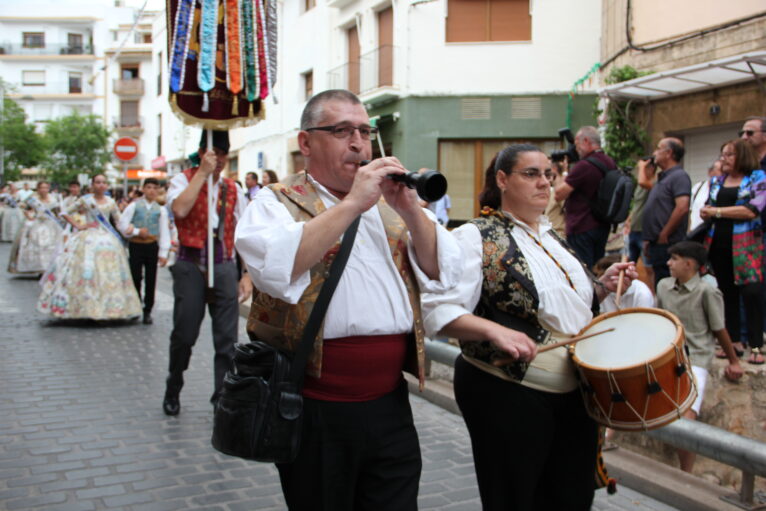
(143,262)
(189,285)
(533,450)
(355,456)
(752,299)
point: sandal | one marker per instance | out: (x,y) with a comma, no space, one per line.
(755,358)
(720,353)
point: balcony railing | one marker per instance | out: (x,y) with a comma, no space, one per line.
(56,88)
(132,87)
(48,49)
(128,123)
(374,69)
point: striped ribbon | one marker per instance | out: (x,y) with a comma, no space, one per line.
(233,51)
(208,37)
(264,65)
(180,46)
(248,36)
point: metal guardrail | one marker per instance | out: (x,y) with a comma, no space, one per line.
(718,444)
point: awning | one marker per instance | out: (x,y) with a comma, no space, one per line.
(699,77)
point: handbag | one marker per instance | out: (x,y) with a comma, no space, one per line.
(259,414)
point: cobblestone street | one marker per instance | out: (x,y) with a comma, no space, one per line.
(81,424)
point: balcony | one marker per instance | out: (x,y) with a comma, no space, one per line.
(373,71)
(128,124)
(55,89)
(47,50)
(131,87)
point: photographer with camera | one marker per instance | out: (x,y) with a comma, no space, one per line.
(585,233)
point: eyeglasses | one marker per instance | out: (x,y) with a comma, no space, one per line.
(533,174)
(347,131)
(749,133)
(728,155)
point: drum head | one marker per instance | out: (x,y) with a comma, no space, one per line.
(637,337)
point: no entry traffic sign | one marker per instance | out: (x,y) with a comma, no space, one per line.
(125,149)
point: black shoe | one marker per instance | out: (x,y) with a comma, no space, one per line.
(171,405)
(148,319)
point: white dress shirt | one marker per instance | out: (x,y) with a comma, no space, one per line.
(179,183)
(637,295)
(371,298)
(129,231)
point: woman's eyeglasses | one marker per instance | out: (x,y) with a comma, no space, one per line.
(533,174)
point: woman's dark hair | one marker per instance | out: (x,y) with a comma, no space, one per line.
(504,161)
(273,179)
(745,155)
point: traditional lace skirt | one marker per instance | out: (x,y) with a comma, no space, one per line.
(91,279)
(11,223)
(35,246)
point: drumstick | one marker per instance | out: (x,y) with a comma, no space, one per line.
(572,340)
(618,295)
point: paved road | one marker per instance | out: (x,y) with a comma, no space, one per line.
(81,426)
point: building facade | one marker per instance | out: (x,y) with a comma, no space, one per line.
(448,82)
(706,70)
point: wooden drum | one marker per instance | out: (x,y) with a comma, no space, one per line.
(638,376)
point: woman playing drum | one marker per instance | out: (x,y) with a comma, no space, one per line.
(534,445)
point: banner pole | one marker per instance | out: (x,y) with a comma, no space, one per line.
(210,205)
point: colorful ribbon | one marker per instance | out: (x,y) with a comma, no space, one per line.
(233,51)
(251,56)
(208,37)
(263,64)
(180,46)
(42,209)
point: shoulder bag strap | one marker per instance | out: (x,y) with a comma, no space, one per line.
(320,307)
(597,163)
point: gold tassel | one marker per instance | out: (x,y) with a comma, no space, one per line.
(250,112)
(235,105)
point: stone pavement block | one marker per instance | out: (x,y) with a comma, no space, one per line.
(76,506)
(127,500)
(86,473)
(103,491)
(118,479)
(63,485)
(13,493)
(432,502)
(165,505)
(31,481)
(57,467)
(153,483)
(33,502)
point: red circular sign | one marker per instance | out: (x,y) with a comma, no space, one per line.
(125,149)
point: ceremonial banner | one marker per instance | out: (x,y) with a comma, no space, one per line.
(222,60)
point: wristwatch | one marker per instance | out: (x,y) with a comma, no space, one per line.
(718,213)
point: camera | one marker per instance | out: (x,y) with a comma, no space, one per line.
(570,153)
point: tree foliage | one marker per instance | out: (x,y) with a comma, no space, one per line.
(22,146)
(624,138)
(76,144)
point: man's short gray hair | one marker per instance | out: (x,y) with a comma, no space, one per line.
(758,118)
(590,133)
(312,113)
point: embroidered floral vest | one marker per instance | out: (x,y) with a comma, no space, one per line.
(192,229)
(508,293)
(281,324)
(148,217)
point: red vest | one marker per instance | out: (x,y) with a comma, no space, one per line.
(192,229)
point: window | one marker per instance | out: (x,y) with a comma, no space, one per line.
(42,112)
(488,20)
(129,114)
(33,40)
(75,83)
(352,36)
(74,41)
(146,38)
(159,74)
(129,72)
(386,47)
(33,77)
(308,85)
(309,4)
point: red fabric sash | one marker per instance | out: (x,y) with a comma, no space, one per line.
(360,368)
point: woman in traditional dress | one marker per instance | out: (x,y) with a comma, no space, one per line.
(39,238)
(91,278)
(534,446)
(12,216)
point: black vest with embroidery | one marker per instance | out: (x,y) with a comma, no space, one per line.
(508,293)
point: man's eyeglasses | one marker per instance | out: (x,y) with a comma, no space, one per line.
(533,174)
(749,133)
(347,131)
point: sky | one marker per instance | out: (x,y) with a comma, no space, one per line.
(151,5)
